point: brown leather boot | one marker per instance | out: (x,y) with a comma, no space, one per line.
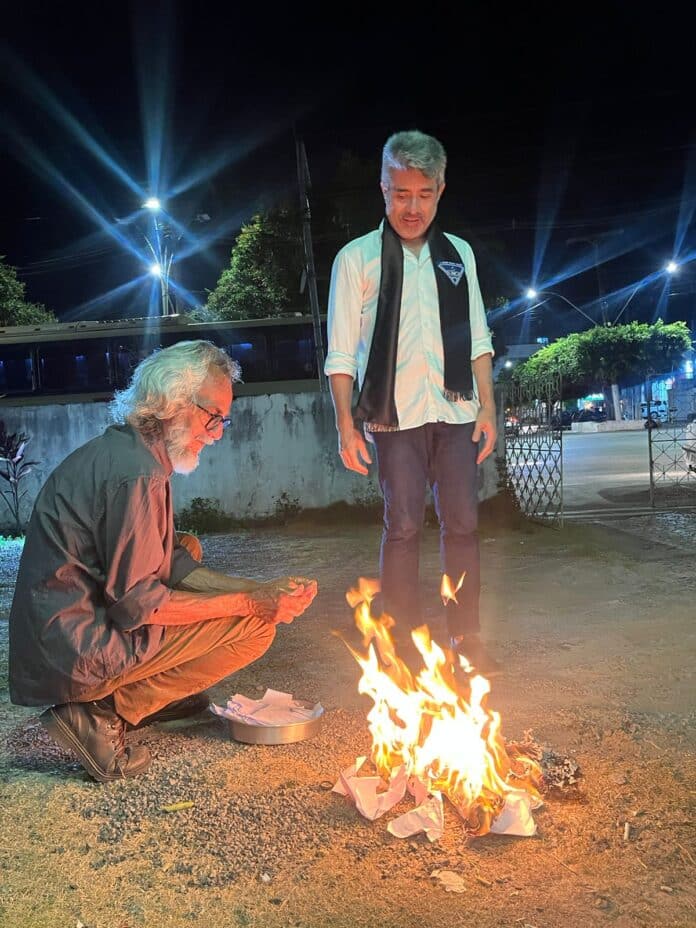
(96,734)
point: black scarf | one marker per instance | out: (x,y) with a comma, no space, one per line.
(376,401)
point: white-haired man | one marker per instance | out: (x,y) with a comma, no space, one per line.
(114,623)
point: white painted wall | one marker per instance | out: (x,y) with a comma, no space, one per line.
(280,450)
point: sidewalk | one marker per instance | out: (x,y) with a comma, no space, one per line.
(595,629)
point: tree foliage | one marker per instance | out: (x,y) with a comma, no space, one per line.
(263,276)
(14,309)
(604,355)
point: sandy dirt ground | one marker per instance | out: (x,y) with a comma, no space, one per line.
(595,629)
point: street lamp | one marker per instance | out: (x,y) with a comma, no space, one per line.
(161,253)
(670,268)
(532,294)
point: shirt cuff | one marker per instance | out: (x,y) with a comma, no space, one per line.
(139,603)
(481,346)
(339,363)
(182,565)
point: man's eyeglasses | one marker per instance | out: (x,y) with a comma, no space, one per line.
(215,419)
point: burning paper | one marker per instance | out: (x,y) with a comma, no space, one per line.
(273,709)
(435,724)
(365,791)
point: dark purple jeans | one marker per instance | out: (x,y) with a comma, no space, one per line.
(442,456)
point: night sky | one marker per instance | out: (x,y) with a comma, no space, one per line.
(558,125)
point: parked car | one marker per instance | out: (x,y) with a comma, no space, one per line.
(589,415)
(563,420)
(658,411)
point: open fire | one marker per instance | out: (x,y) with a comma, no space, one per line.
(435,723)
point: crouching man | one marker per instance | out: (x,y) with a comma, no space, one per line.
(114,622)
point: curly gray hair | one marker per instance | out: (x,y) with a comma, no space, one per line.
(167,381)
(414,149)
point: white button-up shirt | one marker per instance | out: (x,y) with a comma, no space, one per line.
(419,385)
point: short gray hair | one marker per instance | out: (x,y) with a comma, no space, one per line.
(167,381)
(414,149)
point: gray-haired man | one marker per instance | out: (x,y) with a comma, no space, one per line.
(407,320)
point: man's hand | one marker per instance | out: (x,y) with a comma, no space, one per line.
(283,599)
(353,450)
(485,425)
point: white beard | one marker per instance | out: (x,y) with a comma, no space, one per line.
(184,461)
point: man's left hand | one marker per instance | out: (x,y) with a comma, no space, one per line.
(485,426)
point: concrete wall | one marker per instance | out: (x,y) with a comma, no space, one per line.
(279,452)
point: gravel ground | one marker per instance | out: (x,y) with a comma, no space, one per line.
(594,629)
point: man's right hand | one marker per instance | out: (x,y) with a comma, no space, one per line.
(273,602)
(353,450)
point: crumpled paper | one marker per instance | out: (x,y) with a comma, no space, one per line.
(373,797)
(273,709)
(428,816)
(515,818)
(365,791)
(452,882)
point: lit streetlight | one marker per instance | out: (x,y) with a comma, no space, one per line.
(160,252)
(670,268)
(532,294)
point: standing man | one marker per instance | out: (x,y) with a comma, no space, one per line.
(114,622)
(407,319)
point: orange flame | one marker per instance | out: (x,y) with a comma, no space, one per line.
(436,722)
(446,592)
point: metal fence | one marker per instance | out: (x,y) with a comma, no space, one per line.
(534,450)
(672,449)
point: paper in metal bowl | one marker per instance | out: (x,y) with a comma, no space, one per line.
(275,734)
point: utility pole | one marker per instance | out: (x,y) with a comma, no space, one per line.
(304,185)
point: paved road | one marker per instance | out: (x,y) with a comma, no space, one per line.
(605,470)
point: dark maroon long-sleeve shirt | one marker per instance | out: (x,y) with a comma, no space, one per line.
(100,558)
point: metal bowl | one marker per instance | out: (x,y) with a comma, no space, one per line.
(275,734)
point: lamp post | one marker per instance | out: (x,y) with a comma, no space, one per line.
(671,267)
(162,255)
(532,294)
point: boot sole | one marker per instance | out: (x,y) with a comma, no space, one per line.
(65,737)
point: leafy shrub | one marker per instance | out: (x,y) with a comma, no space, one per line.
(13,469)
(202,516)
